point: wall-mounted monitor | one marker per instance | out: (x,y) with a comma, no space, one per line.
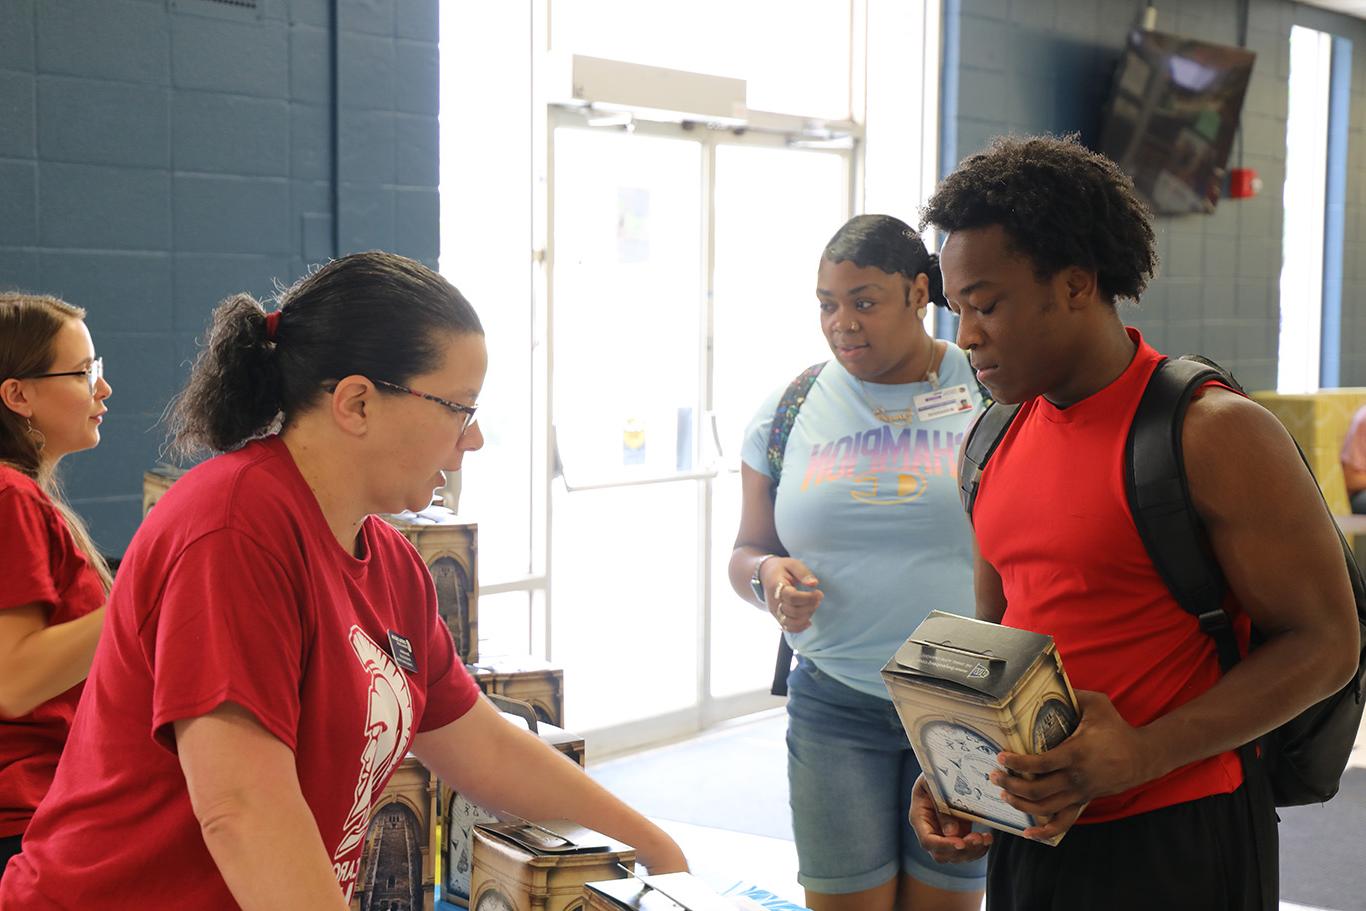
(1172,116)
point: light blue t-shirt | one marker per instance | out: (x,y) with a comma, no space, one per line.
(872,508)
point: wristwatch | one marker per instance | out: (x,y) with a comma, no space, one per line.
(756,583)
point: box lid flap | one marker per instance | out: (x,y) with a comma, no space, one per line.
(558,836)
(984,658)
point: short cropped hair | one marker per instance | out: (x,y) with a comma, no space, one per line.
(1060,205)
(889,244)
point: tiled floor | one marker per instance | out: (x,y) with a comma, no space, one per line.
(725,803)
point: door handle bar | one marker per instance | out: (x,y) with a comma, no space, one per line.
(703,475)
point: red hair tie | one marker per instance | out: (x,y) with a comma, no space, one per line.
(272,325)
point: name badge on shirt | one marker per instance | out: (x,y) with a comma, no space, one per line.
(402,650)
(943,402)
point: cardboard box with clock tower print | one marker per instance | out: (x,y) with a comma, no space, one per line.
(462,814)
(965,691)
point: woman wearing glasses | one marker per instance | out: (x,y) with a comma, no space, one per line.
(54,583)
(273,649)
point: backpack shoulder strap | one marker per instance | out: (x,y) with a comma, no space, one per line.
(785,415)
(1160,502)
(981,440)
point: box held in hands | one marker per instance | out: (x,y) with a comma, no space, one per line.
(967,690)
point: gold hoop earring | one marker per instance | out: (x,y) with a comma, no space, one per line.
(38,439)
(920,314)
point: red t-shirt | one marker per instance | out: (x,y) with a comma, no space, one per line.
(235,590)
(1053,518)
(40,564)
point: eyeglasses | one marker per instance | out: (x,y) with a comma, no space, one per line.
(93,374)
(465,411)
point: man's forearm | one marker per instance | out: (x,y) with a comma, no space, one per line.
(1273,684)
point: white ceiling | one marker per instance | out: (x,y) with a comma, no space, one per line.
(1350,7)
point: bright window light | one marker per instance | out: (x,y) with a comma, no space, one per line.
(1306,158)
(794,54)
(486,206)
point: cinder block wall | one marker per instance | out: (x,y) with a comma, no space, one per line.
(1028,66)
(159,155)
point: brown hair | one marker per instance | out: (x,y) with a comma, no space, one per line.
(29,324)
(373,313)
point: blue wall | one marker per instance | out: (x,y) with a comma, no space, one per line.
(159,155)
(1030,66)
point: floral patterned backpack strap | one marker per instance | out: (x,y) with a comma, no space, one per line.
(785,415)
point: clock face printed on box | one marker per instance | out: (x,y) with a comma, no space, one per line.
(961,759)
(1054,723)
(461,817)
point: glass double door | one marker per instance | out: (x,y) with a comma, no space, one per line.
(682,284)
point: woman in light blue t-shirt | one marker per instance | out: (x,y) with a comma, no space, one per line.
(860,538)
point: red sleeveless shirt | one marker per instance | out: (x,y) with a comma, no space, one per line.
(1053,518)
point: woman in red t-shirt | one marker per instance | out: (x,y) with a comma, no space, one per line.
(273,649)
(52,602)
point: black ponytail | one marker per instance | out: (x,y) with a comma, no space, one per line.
(936,281)
(376,314)
(233,394)
(889,244)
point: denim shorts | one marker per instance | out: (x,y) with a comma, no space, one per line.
(850,770)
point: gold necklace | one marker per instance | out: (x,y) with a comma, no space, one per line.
(906,415)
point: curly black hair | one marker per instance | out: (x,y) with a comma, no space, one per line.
(1060,205)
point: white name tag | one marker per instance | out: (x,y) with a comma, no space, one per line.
(943,402)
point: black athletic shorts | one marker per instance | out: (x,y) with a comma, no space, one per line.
(1201,856)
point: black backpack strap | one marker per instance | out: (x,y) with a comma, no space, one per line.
(1176,541)
(1161,505)
(782,666)
(784,417)
(981,440)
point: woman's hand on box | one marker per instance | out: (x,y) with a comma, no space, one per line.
(1104,755)
(790,605)
(948,839)
(662,856)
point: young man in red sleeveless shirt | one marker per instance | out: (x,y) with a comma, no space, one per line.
(1044,238)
